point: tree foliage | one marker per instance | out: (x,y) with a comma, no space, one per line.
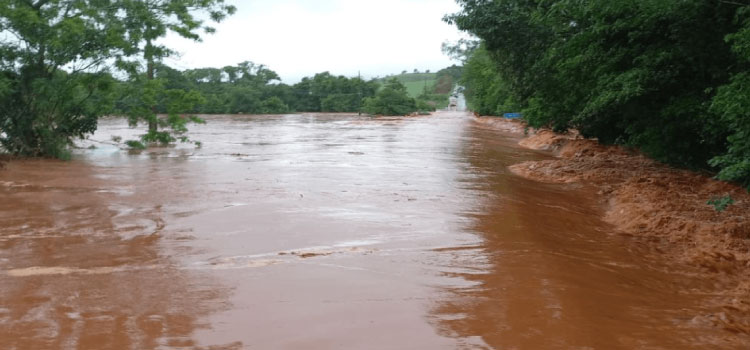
(485,92)
(732,105)
(141,96)
(144,22)
(666,77)
(392,99)
(56,57)
(327,93)
(447,78)
(249,88)
(53,77)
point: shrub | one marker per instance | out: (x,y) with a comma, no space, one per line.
(392,99)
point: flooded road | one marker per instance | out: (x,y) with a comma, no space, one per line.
(327,232)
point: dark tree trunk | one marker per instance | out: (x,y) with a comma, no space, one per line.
(152,125)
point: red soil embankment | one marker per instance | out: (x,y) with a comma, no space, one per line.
(663,205)
(501,124)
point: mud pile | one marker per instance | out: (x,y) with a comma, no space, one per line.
(582,160)
(502,124)
(545,140)
(665,207)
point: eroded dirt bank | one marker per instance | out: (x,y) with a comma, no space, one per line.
(661,205)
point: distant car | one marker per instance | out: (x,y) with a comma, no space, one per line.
(452,102)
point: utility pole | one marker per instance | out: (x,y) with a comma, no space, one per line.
(359,93)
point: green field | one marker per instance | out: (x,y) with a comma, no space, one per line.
(415,88)
(415,82)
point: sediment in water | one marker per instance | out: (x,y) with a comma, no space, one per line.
(4,159)
(661,205)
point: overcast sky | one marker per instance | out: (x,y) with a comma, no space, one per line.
(298,38)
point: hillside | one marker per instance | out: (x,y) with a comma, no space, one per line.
(415,82)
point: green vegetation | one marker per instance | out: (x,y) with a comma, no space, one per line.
(721,203)
(254,89)
(415,83)
(485,93)
(65,63)
(327,93)
(56,57)
(146,22)
(431,90)
(392,99)
(42,106)
(133,144)
(667,77)
(247,88)
(415,88)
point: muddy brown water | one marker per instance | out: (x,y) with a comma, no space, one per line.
(327,232)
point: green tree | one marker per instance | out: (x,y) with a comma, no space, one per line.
(732,105)
(340,103)
(141,96)
(328,93)
(651,74)
(54,80)
(273,105)
(486,92)
(392,99)
(144,22)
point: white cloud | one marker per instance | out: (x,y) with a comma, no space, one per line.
(298,38)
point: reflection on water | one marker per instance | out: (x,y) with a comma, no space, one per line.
(324,232)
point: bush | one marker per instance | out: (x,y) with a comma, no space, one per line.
(732,104)
(392,99)
(425,106)
(135,144)
(486,93)
(340,103)
(273,105)
(428,101)
(40,116)
(721,203)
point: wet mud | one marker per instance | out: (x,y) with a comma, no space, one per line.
(317,231)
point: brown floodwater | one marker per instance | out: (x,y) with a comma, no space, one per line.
(328,232)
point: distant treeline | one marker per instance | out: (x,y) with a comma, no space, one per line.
(248,88)
(668,77)
(254,89)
